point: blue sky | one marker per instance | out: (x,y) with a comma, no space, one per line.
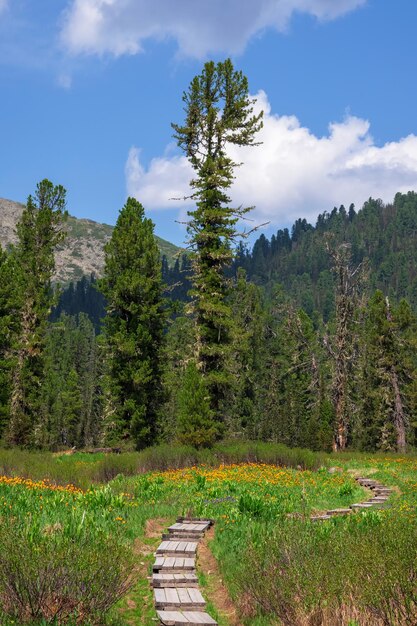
(89,89)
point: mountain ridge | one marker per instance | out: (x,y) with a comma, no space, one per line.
(82,252)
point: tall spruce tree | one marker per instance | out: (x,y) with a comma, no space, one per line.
(218,113)
(134,328)
(8,328)
(388,374)
(39,232)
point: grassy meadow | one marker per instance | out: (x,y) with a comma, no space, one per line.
(76,540)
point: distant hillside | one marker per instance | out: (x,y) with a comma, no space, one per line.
(384,234)
(82,253)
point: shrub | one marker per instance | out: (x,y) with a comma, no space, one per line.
(359,568)
(54,576)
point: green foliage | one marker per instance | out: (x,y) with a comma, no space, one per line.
(389,366)
(366,555)
(133,328)
(71,404)
(52,576)
(383,234)
(39,232)
(195,417)
(218,112)
(359,568)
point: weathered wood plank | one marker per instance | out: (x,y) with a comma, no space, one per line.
(160,598)
(199,618)
(184,596)
(191,547)
(338,512)
(171,596)
(173,618)
(174,580)
(162,547)
(196,597)
(361,505)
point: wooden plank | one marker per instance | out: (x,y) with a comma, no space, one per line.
(199,618)
(360,505)
(181,546)
(339,512)
(196,597)
(160,597)
(174,580)
(162,547)
(171,596)
(190,520)
(182,536)
(172,618)
(191,547)
(190,576)
(184,596)
(175,563)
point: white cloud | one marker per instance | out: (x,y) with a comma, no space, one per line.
(121,26)
(3,5)
(293,173)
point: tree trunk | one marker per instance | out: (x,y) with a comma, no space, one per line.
(399,420)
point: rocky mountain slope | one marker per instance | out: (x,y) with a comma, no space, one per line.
(83,250)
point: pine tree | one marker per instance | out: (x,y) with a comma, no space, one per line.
(195,420)
(39,232)
(389,367)
(70,392)
(133,328)
(247,356)
(219,113)
(8,329)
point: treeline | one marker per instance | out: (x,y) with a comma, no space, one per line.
(384,234)
(299,341)
(299,376)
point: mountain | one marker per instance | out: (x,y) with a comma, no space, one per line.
(83,250)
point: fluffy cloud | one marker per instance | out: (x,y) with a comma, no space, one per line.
(293,173)
(121,26)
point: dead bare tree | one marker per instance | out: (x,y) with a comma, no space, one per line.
(341,345)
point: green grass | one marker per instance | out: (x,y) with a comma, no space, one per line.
(279,567)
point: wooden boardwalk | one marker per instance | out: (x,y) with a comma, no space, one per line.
(178,600)
(381,493)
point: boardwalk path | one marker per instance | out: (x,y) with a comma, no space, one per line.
(178,600)
(380,496)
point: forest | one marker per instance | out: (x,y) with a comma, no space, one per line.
(287,298)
